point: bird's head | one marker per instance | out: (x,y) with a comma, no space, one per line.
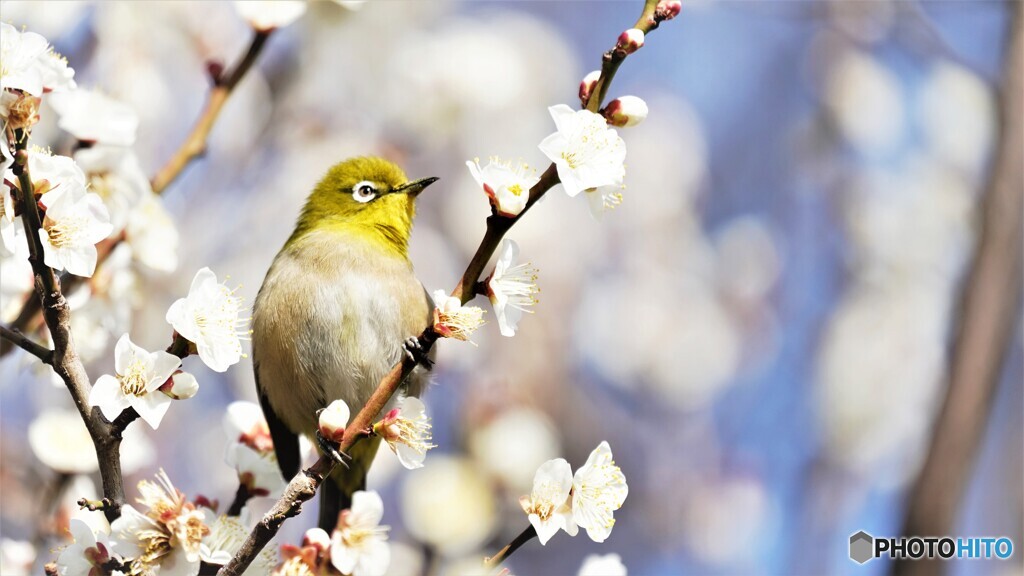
(369,196)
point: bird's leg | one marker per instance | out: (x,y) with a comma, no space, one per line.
(414,350)
(331,449)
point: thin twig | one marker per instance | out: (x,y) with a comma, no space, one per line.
(304,486)
(988,314)
(27,344)
(94,505)
(195,144)
(525,536)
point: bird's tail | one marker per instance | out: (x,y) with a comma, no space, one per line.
(336,492)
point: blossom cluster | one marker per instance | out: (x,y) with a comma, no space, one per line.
(588,499)
(208,319)
(356,547)
(166,534)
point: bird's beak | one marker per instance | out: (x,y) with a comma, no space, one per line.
(416,186)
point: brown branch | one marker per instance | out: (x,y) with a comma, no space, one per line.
(27,344)
(525,536)
(304,486)
(193,147)
(988,312)
(613,58)
(65,360)
(195,144)
(242,495)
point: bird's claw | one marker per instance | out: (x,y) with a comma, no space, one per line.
(330,448)
(415,352)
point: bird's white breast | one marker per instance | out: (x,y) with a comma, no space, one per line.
(329,323)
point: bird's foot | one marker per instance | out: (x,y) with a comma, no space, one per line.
(331,449)
(415,352)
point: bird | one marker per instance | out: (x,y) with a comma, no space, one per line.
(338,308)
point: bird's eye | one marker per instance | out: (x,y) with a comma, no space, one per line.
(364,192)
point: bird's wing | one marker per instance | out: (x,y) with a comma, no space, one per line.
(286,443)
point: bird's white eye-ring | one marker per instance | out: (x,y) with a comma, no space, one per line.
(364,191)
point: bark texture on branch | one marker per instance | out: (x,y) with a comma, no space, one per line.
(988,312)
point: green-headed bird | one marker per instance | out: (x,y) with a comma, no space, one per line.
(335,312)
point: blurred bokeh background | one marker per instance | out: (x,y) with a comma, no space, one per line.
(761,330)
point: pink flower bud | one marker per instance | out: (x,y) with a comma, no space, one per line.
(631,40)
(387,428)
(626,111)
(180,386)
(587,85)
(667,10)
(333,421)
(317,538)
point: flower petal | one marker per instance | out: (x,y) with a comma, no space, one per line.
(151,407)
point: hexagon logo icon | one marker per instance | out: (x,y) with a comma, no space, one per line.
(861,547)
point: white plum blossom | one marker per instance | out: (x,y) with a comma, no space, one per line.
(406,429)
(333,420)
(603,199)
(91,116)
(12,231)
(30,64)
(311,559)
(71,228)
(626,111)
(114,174)
(452,319)
(152,235)
(208,317)
(607,565)
(511,288)
(16,557)
(60,440)
(507,186)
(226,537)
(54,174)
(586,152)
(598,490)
(250,449)
(266,15)
(359,543)
(547,506)
(16,280)
(90,551)
(139,375)
(166,535)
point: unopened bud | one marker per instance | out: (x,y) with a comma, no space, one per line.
(317,538)
(667,10)
(587,86)
(333,421)
(180,386)
(631,40)
(626,111)
(386,428)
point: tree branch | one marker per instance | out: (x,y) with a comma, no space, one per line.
(304,486)
(195,144)
(26,344)
(65,360)
(988,314)
(525,536)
